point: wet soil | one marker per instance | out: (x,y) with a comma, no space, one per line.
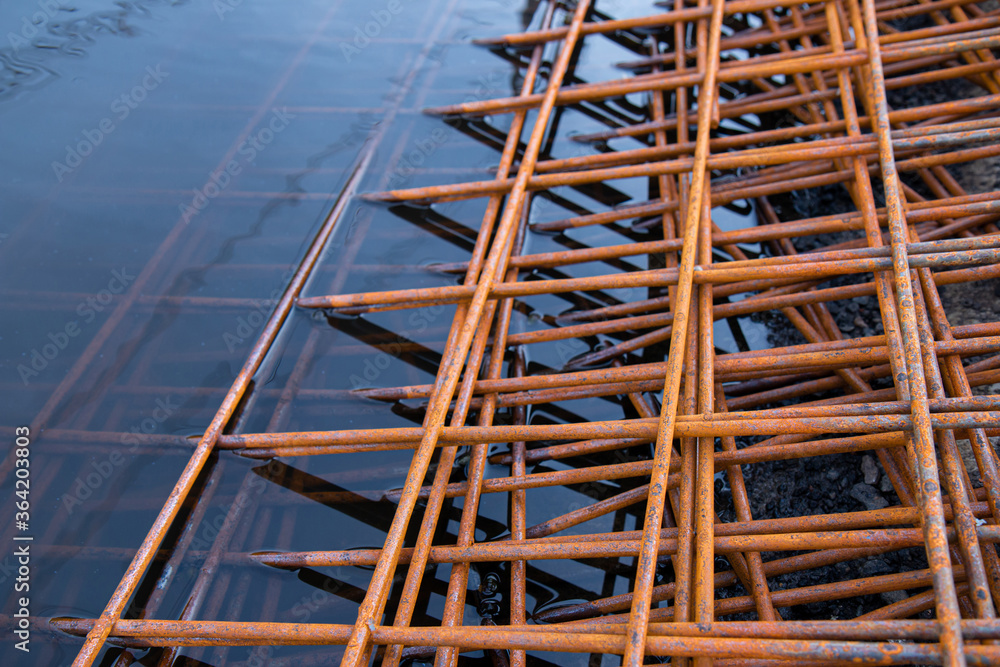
(849,483)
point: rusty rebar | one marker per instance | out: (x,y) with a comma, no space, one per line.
(639,333)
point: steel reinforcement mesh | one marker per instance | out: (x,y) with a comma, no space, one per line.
(645,289)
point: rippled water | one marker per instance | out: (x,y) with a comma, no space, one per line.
(163,165)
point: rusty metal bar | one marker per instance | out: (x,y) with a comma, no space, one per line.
(598,367)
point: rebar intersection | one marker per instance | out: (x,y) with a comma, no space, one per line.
(904,395)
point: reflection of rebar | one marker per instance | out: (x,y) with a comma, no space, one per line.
(905,394)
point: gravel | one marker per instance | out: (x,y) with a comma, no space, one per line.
(849,483)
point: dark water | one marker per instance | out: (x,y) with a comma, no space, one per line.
(162,168)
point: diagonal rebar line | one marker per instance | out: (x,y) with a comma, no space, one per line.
(985,458)
(929,491)
(955,479)
(518,517)
(646,565)
(359,645)
(459,576)
(702,583)
(144,556)
(278,420)
(458,580)
(446,462)
(899,473)
(245,503)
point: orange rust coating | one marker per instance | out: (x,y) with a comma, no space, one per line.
(644,330)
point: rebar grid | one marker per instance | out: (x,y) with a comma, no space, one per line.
(905,395)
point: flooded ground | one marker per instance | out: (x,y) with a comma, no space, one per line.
(164,166)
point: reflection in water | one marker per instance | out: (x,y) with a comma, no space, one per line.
(121,207)
(50,31)
(528,12)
